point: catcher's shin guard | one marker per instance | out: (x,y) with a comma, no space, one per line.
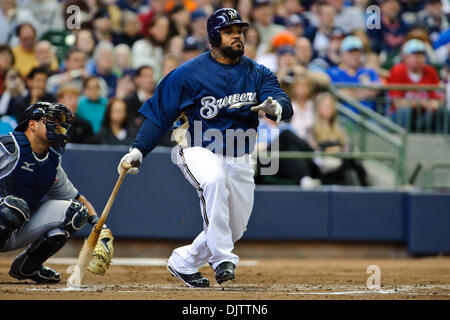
(28,264)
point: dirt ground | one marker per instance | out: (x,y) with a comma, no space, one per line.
(259,279)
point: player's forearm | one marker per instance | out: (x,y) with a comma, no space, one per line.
(147,138)
(92,214)
(286,105)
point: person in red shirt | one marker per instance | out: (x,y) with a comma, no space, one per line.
(414,109)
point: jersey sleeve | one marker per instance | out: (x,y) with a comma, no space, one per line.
(171,96)
(161,110)
(270,87)
(62,189)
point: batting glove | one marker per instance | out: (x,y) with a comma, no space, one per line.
(132,157)
(270,106)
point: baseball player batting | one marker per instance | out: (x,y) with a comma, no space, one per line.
(220,91)
(39,206)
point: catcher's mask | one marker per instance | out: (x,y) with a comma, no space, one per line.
(57,118)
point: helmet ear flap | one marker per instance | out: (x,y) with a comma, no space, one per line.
(214,38)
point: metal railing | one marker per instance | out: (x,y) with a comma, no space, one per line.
(374,138)
(374,134)
(429,174)
(413,119)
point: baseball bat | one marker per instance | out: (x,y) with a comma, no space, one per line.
(77,275)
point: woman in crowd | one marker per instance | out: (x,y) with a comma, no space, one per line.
(330,137)
(115,129)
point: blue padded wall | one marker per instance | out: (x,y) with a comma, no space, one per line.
(159,203)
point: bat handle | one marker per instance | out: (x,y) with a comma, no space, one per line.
(134,164)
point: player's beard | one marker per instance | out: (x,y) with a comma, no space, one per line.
(230,52)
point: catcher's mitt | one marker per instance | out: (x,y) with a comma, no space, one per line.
(103,253)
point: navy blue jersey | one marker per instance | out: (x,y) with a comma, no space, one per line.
(216,96)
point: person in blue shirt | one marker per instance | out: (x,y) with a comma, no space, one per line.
(214,99)
(91,105)
(351,70)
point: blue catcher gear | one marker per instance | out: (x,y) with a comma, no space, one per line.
(220,19)
(57,118)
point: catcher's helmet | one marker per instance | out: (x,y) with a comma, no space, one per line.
(57,121)
(220,19)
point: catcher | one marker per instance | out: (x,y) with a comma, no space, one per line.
(39,206)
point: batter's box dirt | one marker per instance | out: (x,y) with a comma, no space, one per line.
(268,279)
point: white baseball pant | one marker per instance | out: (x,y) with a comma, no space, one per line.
(225,186)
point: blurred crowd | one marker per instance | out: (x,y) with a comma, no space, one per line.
(103,58)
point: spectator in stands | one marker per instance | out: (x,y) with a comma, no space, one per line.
(302,93)
(303,51)
(170,62)
(11,16)
(80,130)
(125,85)
(157,7)
(286,61)
(179,18)
(115,129)
(92,105)
(416,109)
(421,33)
(198,28)
(244,7)
(332,57)
(191,48)
(269,59)
(131,5)
(49,15)
(6,62)
(252,39)
(74,72)
(351,70)
(131,28)
(250,51)
(433,18)
(175,47)
(104,63)
(36,83)
(14,91)
(330,137)
(102,29)
(372,61)
(392,32)
(319,35)
(85,42)
(46,57)
(442,46)
(347,18)
(262,15)
(144,81)
(122,59)
(24,52)
(280,137)
(150,51)
(296,24)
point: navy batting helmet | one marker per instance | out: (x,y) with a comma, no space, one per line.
(220,19)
